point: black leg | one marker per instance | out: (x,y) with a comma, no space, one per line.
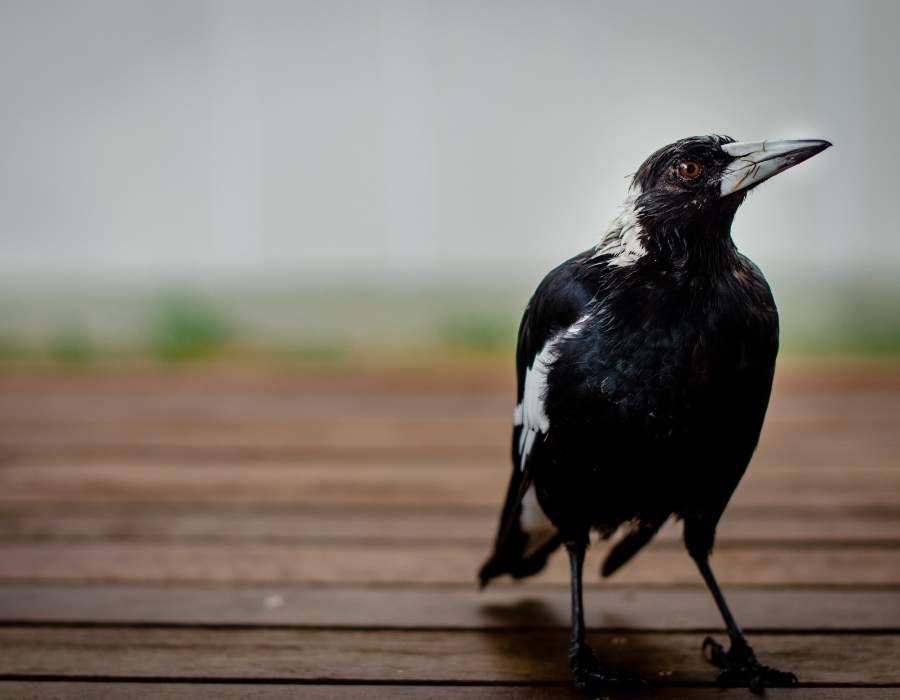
(739,664)
(589,675)
(576,552)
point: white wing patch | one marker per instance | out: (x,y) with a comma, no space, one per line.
(530,413)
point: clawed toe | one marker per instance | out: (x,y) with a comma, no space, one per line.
(756,678)
(591,678)
(740,669)
(715,653)
(594,681)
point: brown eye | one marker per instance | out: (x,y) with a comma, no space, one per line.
(689,169)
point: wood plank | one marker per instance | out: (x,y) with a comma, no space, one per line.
(386,485)
(405,607)
(374,564)
(410,656)
(43,399)
(856,375)
(381,377)
(813,444)
(253,411)
(807,442)
(314,432)
(273,419)
(445,442)
(400,525)
(73,690)
(793,374)
(249,406)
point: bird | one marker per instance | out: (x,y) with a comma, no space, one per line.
(644,367)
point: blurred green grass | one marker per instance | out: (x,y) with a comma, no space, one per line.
(331,327)
(71,346)
(185,326)
(477,331)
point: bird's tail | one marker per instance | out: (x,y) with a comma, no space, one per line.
(516,552)
(509,557)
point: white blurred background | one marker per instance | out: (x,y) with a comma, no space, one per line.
(346,173)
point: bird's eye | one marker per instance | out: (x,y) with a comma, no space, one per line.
(689,169)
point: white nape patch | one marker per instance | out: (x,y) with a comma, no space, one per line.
(534,522)
(622,239)
(530,413)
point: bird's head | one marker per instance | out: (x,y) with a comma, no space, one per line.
(685,195)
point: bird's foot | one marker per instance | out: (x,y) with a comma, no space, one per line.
(740,669)
(591,678)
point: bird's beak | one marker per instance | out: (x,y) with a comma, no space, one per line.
(757,161)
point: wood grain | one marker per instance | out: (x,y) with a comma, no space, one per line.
(398,525)
(808,442)
(410,656)
(427,565)
(502,606)
(243,533)
(386,485)
(12,690)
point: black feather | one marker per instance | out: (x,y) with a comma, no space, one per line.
(637,536)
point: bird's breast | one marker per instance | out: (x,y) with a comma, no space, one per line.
(662,373)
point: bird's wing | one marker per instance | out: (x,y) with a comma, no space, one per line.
(525,537)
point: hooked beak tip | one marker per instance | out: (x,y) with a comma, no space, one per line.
(820,145)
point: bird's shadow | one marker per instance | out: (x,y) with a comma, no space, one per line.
(524,612)
(531,635)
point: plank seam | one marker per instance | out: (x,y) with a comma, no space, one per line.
(504,629)
(275,680)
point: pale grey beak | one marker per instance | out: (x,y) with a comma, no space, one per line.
(757,161)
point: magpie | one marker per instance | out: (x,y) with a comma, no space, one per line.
(644,368)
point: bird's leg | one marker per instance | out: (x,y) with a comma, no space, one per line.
(739,664)
(589,674)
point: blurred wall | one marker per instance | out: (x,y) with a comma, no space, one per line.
(316,139)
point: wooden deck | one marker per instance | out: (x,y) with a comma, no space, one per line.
(270,535)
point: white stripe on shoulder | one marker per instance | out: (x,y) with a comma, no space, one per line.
(530,413)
